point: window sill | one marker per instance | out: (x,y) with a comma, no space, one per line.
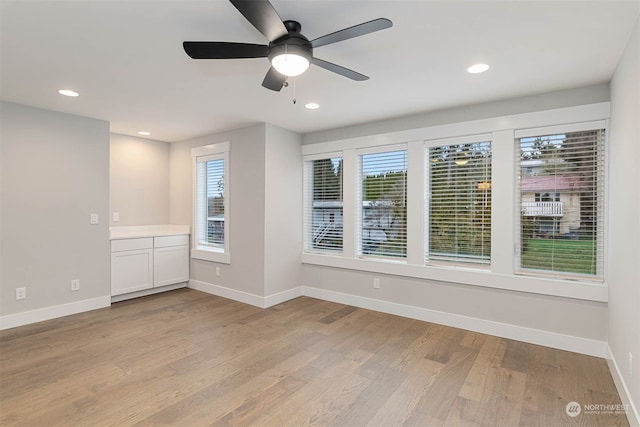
(480,276)
(213,256)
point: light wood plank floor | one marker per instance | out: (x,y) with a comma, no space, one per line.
(187,358)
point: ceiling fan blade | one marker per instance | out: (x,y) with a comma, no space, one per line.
(274,80)
(351,32)
(262,15)
(224,50)
(339,70)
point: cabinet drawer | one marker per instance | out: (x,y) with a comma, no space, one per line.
(131,244)
(164,241)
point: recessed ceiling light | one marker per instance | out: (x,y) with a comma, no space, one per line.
(68,92)
(144,133)
(312,106)
(478,68)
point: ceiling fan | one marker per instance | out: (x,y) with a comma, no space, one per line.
(289,52)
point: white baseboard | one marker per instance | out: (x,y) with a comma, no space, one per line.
(633,416)
(245,297)
(47,313)
(280,297)
(519,333)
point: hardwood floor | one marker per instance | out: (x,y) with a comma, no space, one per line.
(187,358)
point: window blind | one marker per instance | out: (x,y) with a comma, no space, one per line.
(561,202)
(383,213)
(323,201)
(210,203)
(459,203)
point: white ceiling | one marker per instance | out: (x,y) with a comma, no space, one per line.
(125,58)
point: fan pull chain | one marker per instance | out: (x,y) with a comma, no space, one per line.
(294,91)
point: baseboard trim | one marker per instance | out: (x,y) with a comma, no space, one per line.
(284,296)
(245,297)
(53,312)
(633,415)
(534,336)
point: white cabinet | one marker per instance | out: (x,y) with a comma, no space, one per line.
(131,265)
(139,264)
(170,260)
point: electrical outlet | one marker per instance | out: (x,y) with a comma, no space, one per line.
(75,285)
(630,364)
(93,219)
(21,293)
(376,283)
(217,271)
(116,216)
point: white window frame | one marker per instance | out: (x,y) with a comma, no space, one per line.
(502,273)
(359,198)
(452,260)
(307,201)
(202,154)
(602,155)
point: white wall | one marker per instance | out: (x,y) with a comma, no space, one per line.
(283,212)
(138,181)
(54,175)
(624,219)
(559,99)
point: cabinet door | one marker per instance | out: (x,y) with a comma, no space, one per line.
(131,271)
(171,265)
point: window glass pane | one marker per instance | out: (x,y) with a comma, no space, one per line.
(384,204)
(459,206)
(213,203)
(324,222)
(561,202)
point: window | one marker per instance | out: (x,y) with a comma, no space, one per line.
(560,200)
(323,201)
(494,203)
(548,197)
(211,225)
(383,204)
(459,202)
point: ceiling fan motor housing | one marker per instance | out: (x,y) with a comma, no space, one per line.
(291,43)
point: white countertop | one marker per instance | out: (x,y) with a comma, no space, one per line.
(136,231)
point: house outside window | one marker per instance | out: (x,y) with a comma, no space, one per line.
(561,202)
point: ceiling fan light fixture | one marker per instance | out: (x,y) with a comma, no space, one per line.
(291,58)
(290,64)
